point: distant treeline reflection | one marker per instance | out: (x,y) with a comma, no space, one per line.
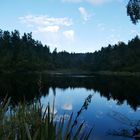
(27,87)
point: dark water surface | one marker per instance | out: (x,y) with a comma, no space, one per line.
(115,102)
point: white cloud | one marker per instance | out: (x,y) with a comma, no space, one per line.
(69,34)
(52,29)
(86,16)
(45,20)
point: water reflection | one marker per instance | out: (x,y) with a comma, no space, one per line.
(67,106)
(30,86)
(97,113)
(110,94)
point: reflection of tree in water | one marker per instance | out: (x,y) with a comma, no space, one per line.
(116,88)
(21,87)
(120,89)
(133,129)
(30,86)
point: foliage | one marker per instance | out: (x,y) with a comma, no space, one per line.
(21,53)
(24,54)
(32,123)
(133,10)
(118,57)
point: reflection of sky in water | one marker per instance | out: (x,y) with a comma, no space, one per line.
(67,106)
(97,114)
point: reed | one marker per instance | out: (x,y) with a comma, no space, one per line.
(32,122)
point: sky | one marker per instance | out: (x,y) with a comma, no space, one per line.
(70,25)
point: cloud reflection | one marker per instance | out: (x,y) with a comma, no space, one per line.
(67,106)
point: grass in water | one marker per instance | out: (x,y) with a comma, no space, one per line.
(30,122)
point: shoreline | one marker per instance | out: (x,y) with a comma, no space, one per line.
(76,73)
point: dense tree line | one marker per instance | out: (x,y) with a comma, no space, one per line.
(23,53)
(118,57)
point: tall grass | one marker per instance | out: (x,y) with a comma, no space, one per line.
(30,122)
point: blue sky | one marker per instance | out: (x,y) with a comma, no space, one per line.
(71,25)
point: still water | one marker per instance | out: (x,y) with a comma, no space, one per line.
(115,101)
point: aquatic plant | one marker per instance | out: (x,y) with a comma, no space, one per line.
(32,122)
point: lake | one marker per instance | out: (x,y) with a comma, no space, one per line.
(115,101)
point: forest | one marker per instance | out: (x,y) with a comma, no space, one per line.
(22,53)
